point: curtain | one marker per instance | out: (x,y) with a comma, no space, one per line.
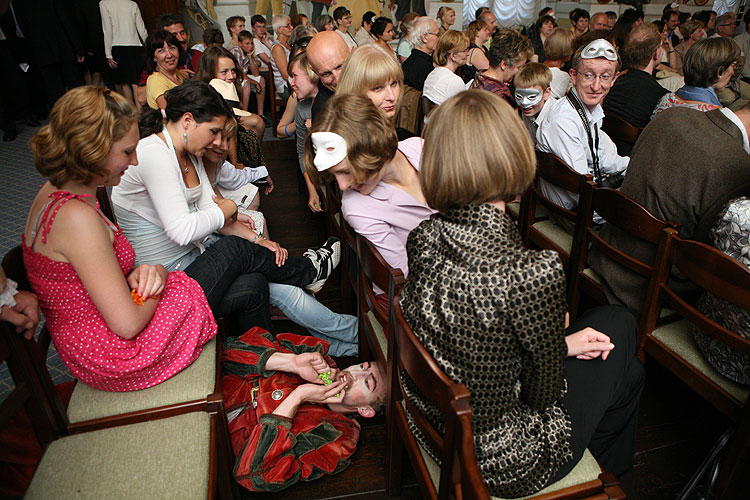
(509,12)
(722,6)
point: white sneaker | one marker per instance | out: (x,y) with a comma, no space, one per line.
(324,259)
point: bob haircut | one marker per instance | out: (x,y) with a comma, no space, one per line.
(509,46)
(452,41)
(209,63)
(192,96)
(321,21)
(559,45)
(706,59)
(533,75)
(155,41)
(367,67)
(370,136)
(543,20)
(301,59)
(83,125)
(468,159)
(577,14)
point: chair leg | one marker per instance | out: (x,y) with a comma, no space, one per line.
(708,463)
(394,457)
(731,471)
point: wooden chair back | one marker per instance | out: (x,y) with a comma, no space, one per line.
(277,104)
(626,214)
(427,107)
(374,270)
(553,171)
(105,203)
(34,391)
(410,359)
(619,130)
(336,225)
(728,280)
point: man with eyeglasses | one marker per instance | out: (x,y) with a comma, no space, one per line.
(423,37)
(572,128)
(737,93)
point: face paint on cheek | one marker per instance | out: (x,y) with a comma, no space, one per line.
(527,98)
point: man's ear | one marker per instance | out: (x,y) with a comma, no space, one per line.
(366,411)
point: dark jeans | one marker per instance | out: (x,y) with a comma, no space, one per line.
(603,396)
(235,273)
(317,8)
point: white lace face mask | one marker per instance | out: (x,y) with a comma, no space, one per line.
(330,149)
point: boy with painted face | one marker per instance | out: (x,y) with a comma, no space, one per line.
(532,83)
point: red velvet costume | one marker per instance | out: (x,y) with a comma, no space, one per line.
(275,452)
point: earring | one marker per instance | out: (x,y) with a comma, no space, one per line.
(184,138)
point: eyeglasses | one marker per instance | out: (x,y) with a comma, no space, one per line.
(589,77)
(346,17)
(436,33)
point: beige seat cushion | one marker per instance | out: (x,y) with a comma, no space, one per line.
(677,337)
(194,382)
(166,458)
(592,275)
(556,234)
(379,333)
(587,469)
(514,207)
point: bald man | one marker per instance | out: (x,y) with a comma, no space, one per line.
(599,21)
(326,52)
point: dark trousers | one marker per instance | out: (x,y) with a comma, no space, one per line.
(317,8)
(406,6)
(603,396)
(235,273)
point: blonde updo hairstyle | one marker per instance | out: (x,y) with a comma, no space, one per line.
(83,125)
(370,136)
(468,159)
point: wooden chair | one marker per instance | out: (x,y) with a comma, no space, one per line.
(619,130)
(624,213)
(163,458)
(337,226)
(672,345)
(458,474)
(374,329)
(277,104)
(197,388)
(547,234)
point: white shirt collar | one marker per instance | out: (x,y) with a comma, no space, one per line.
(735,119)
(594,116)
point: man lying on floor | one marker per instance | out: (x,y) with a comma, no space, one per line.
(286,425)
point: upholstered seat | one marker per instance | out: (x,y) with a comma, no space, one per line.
(556,234)
(195,382)
(677,336)
(167,458)
(586,470)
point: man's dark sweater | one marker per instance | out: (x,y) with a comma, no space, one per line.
(633,98)
(416,68)
(324,93)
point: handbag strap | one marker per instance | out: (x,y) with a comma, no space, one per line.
(593,141)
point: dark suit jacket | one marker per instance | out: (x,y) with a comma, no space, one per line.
(685,166)
(50,31)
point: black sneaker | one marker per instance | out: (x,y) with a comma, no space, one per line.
(324,259)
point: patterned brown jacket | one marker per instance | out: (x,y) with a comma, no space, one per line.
(491,313)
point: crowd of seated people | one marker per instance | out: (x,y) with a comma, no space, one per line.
(182,253)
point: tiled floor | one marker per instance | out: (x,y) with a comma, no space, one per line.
(19,183)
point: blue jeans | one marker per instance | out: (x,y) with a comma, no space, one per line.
(340,330)
(234,275)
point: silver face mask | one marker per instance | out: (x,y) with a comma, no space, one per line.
(528,98)
(599,48)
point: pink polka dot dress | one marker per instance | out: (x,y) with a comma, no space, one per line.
(95,355)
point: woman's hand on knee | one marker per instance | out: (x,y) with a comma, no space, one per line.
(148,281)
(588,344)
(281,252)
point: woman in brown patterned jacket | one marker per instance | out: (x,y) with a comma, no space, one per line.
(492,312)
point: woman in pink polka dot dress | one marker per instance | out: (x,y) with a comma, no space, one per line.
(116,327)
